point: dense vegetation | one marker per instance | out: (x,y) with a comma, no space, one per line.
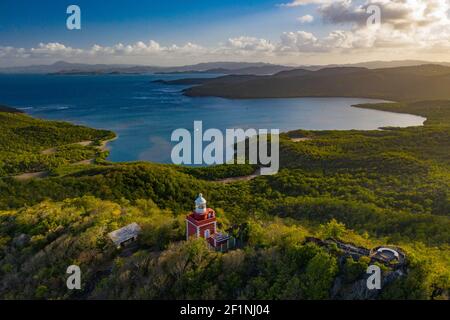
(390,186)
(24,141)
(38,243)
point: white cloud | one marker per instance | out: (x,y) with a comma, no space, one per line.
(141,48)
(401,14)
(409,29)
(306,19)
(54,48)
(343,12)
(416,25)
(8,52)
(138,52)
(250,44)
(299,41)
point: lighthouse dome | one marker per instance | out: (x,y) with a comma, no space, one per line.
(200,199)
(200,204)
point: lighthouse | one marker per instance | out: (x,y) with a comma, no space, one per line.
(202,223)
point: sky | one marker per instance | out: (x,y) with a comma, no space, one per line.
(180,32)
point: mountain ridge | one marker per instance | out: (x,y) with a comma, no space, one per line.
(226,67)
(425,82)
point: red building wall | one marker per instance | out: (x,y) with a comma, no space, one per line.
(192,230)
(210,227)
(193,225)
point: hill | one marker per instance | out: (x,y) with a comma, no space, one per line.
(368,188)
(38,243)
(362,177)
(426,82)
(29,145)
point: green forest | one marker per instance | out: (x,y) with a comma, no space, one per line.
(31,145)
(368,188)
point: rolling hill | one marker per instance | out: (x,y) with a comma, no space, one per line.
(425,82)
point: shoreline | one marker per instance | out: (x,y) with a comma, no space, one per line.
(365,107)
(104,144)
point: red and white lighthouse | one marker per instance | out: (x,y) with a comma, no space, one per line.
(202,223)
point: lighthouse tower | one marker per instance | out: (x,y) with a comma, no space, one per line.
(202,223)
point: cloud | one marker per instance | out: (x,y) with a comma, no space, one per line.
(139,52)
(54,48)
(306,19)
(343,12)
(141,48)
(416,25)
(400,14)
(300,41)
(408,29)
(244,43)
(8,52)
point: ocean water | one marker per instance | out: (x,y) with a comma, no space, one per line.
(144,114)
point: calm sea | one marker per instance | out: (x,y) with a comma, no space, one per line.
(144,114)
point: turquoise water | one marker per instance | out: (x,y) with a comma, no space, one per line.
(144,114)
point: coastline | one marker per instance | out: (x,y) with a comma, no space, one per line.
(369,107)
(104,145)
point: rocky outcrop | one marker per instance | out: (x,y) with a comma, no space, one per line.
(358,290)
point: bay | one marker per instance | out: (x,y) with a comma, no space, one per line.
(144,113)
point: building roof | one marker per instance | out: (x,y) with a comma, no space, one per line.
(126,233)
(219,236)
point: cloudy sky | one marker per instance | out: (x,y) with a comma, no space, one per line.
(176,32)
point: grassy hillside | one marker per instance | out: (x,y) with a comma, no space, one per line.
(362,176)
(23,141)
(427,82)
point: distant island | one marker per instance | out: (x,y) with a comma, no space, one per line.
(425,82)
(67,68)
(9,109)
(219,67)
(91,73)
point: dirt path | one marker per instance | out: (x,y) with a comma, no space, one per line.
(103,147)
(53,150)
(301,139)
(242,178)
(31,175)
(84,143)
(49,151)
(43,174)
(83,162)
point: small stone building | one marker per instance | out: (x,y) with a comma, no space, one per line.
(125,235)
